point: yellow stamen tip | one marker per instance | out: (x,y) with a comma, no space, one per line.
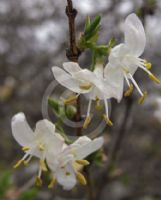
(18,164)
(129,91)
(148,65)
(85,86)
(98,105)
(86,122)
(154,78)
(70,100)
(41,147)
(43,165)
(83,162)
(142,98)
(107,120)
(38,181)
(52,183)
(81,178)
(25,148)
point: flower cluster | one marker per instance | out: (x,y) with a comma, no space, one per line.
(107,82)
(65,161)
(53,153)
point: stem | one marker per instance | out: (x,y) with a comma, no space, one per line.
(73,52)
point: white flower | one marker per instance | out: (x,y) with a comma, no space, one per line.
(64,164)
(84,81)
(124,58)
(37,143)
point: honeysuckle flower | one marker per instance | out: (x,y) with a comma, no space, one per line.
(124,59)
(64,165)
(84,81)
(36,143)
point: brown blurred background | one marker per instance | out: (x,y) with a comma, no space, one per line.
(33,37)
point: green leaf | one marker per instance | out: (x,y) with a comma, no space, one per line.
(29,195)
(112,42)
(87,23)
(5,182)
(54,104)
(70,111)
(94,25)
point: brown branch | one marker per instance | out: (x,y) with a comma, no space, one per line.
(73,52)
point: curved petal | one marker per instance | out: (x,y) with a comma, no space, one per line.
(115,78)
(87,75)
(135,37)
(84,148)
(71,67)
(67,80)
(45,132)
(66,177)
(21,131)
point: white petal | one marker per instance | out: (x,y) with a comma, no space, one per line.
(45,133)
(21,131)
(88,76)
(66,177)
(135,37)
(114,76)
(67,80)
(81,151)
(71,67)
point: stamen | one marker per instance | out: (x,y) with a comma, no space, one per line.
(38,181)
(80,177)
(87,122)
(142,98)
(52,183)
(25,148)
(148,65)
(98,105)
(85,86)
(107,120)
(154,78)
(129,91)
(41,147)
(70,100)
(18,163)
(26,162)
(82,162)
(43,165)
(136,85)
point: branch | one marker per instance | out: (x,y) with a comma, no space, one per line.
(73,52)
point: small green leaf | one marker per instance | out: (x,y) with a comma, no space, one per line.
(87,23)
(112,42)
(29,195)
(5,182)
(70,111)
(54,104)
(94,25)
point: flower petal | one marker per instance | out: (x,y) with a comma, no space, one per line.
(71,67)
(88,76)
(21,131)
(114,76)
(66,177)
(82,148)
(135,37)
(67,80)
(45,132)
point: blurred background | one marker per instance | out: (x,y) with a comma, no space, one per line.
(34,37)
